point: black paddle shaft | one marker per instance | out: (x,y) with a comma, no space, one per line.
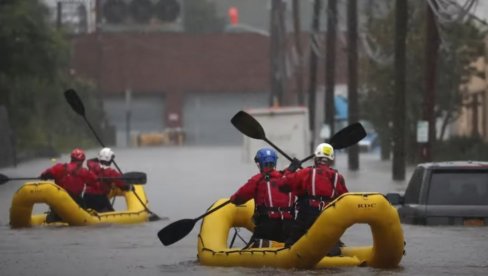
(249,126)
(179,229)
(346,137)
(278,149)
(130,177)
(77,105)
(5,179)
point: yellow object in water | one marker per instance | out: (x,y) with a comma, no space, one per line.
(311,249)
(72,214)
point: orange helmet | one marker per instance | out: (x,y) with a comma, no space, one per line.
(78,155)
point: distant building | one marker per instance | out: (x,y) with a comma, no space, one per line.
(474,116)
(76,16)
(177,80)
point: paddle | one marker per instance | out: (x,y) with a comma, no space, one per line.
(249,126)
(179,229)
(138,178)
(77,105)
(346,137)
(5,179)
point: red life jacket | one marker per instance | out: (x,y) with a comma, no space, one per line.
(71,177)
(269,201)
(316,186)
(103,187)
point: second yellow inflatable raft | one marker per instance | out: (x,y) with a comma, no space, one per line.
(310,250)
(72,214)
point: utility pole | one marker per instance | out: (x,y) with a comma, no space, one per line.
(299,52)
(59,15)
(330,64)
(432,45)
(277,53)
(474,105)
(401,11)
(352,72)
(312,84)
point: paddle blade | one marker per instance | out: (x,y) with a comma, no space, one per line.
(3,179)
(154,217)
(247,125)
(348,136)
(176,231)
(135,178)
(74,101)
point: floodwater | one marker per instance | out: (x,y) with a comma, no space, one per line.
(182,183)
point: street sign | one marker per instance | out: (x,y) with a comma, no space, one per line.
(422,131)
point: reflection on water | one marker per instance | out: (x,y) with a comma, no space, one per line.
(183,183)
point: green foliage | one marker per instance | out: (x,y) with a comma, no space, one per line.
(461,148)
(201,17)
(33,47)
(461,43)
(33,76)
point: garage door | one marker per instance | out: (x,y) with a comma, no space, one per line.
(147,115)
(206,117)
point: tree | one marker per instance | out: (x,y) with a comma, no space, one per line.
(461,43)
(33,75)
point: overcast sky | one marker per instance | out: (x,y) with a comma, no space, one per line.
(481,10)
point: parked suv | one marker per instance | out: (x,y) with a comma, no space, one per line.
(445,193)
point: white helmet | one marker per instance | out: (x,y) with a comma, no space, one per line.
(105,157)
(324,150)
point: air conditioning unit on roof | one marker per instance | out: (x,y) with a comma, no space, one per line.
(139,12)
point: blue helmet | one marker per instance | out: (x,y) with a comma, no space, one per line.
(266,157)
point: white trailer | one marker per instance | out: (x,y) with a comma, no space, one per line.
(286,127)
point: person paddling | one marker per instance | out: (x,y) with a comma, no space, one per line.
(315,187)
(96,196)
(72,177)
(274,210)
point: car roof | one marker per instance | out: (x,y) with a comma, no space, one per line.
(455,165)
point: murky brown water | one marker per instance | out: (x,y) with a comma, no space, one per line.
(183,183)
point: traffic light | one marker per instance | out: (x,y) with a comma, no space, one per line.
(233,16)
(140,11)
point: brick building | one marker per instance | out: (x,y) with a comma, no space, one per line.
(196,82)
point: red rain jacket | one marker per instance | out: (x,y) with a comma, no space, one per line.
(268,199)
(71,177)
(326,184)
(103,187)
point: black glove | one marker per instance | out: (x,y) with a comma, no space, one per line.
(126,188)
(294,165)
(46,176)
(236,200)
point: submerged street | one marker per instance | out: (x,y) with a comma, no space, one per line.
(182,183)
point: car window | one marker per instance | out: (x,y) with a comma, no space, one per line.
(413,190)
(458,187)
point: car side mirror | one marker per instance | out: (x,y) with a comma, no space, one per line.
(395,198)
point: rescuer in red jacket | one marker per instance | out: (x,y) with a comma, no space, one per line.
(96,196)
(72,177)
(315,187)
(274,210)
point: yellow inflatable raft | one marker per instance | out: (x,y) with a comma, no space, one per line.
(71,213)
(310,250)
